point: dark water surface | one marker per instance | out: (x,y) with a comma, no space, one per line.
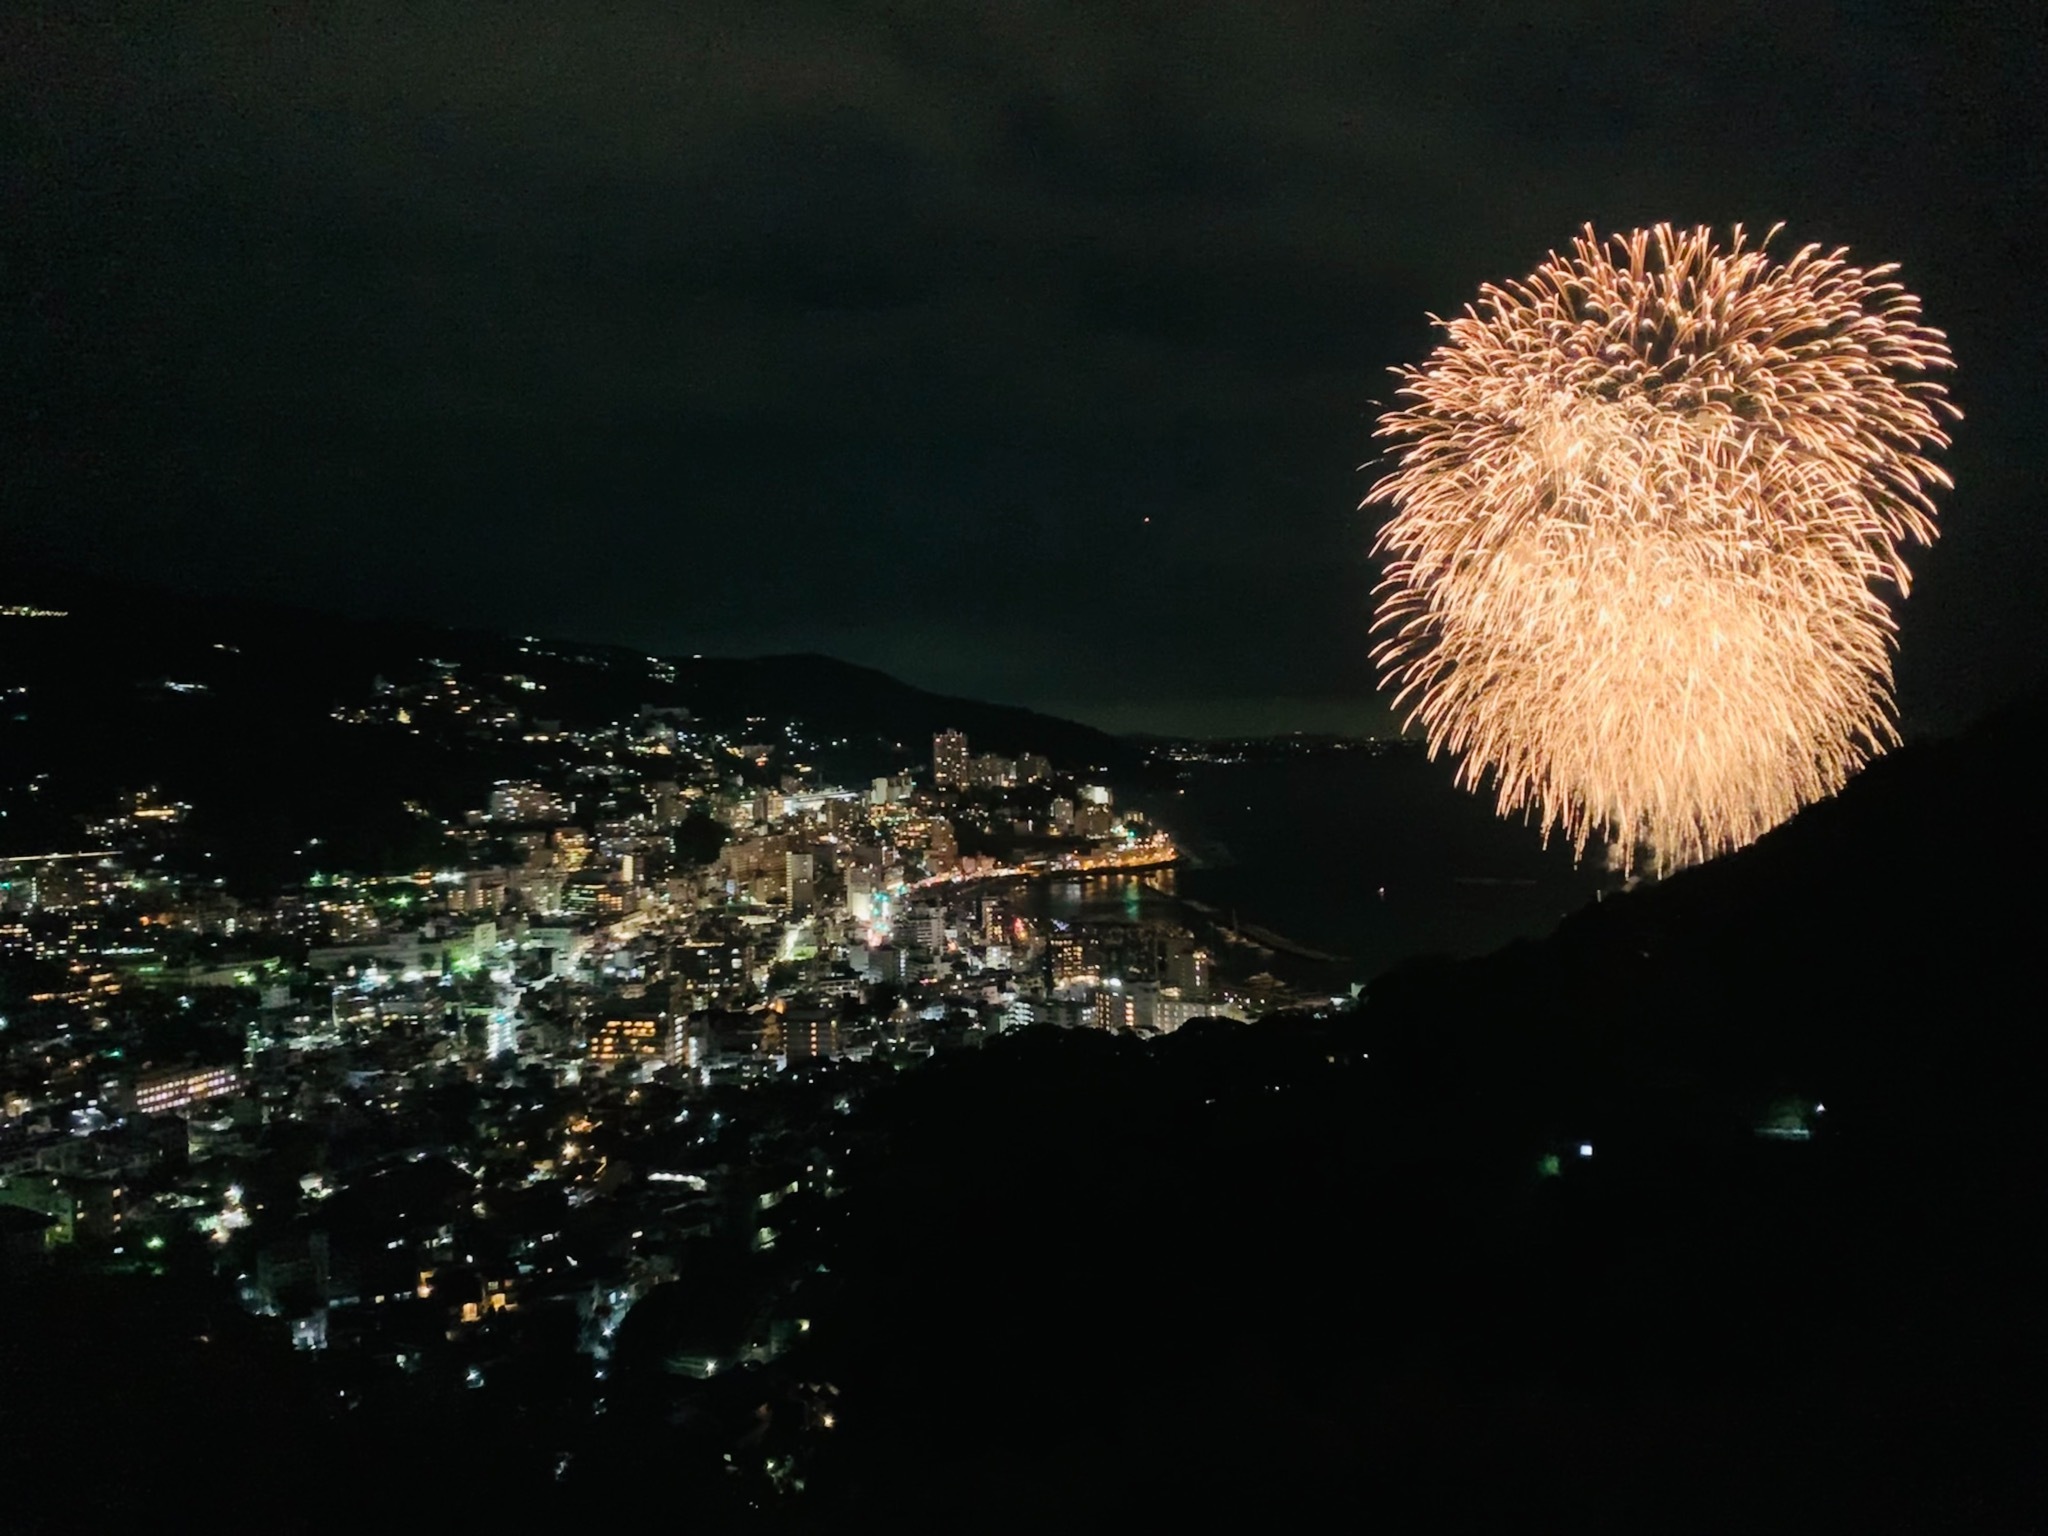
(1374,856)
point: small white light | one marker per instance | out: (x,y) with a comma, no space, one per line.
(1585,1149)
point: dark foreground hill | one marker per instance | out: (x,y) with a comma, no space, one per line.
(1720,1210)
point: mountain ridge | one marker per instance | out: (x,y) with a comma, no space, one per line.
(233,703)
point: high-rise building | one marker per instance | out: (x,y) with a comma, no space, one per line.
(802,1034)
(1115,1008)
(1147,1008)
(860,894)
(991,770)
(523,801)
(665,802)
(572,848)
(637,1036)
(922,927)
(800,870)
(949,759)
(1170,1012)
(1071,960)
(995,920)
(1187,968)
(162,1091)
(942,850)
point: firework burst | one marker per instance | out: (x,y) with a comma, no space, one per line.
(1646,504)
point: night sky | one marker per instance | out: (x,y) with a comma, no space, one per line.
(1027,351)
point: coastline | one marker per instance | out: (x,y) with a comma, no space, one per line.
(1259,936)
(1150,859)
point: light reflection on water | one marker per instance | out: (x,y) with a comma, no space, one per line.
(1102,898)
(1378,858)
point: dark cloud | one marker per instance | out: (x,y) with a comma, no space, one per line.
(883,330)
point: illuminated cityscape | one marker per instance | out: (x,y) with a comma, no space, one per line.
(614,1036)
(443,1123)
(838,768)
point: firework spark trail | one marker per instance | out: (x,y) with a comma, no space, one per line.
(1645,500)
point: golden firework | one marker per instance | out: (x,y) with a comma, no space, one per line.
(1646,502)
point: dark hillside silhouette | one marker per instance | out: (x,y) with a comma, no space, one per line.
(1362,1263)
(1718,1210)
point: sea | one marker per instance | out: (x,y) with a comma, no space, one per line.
(1365,854)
